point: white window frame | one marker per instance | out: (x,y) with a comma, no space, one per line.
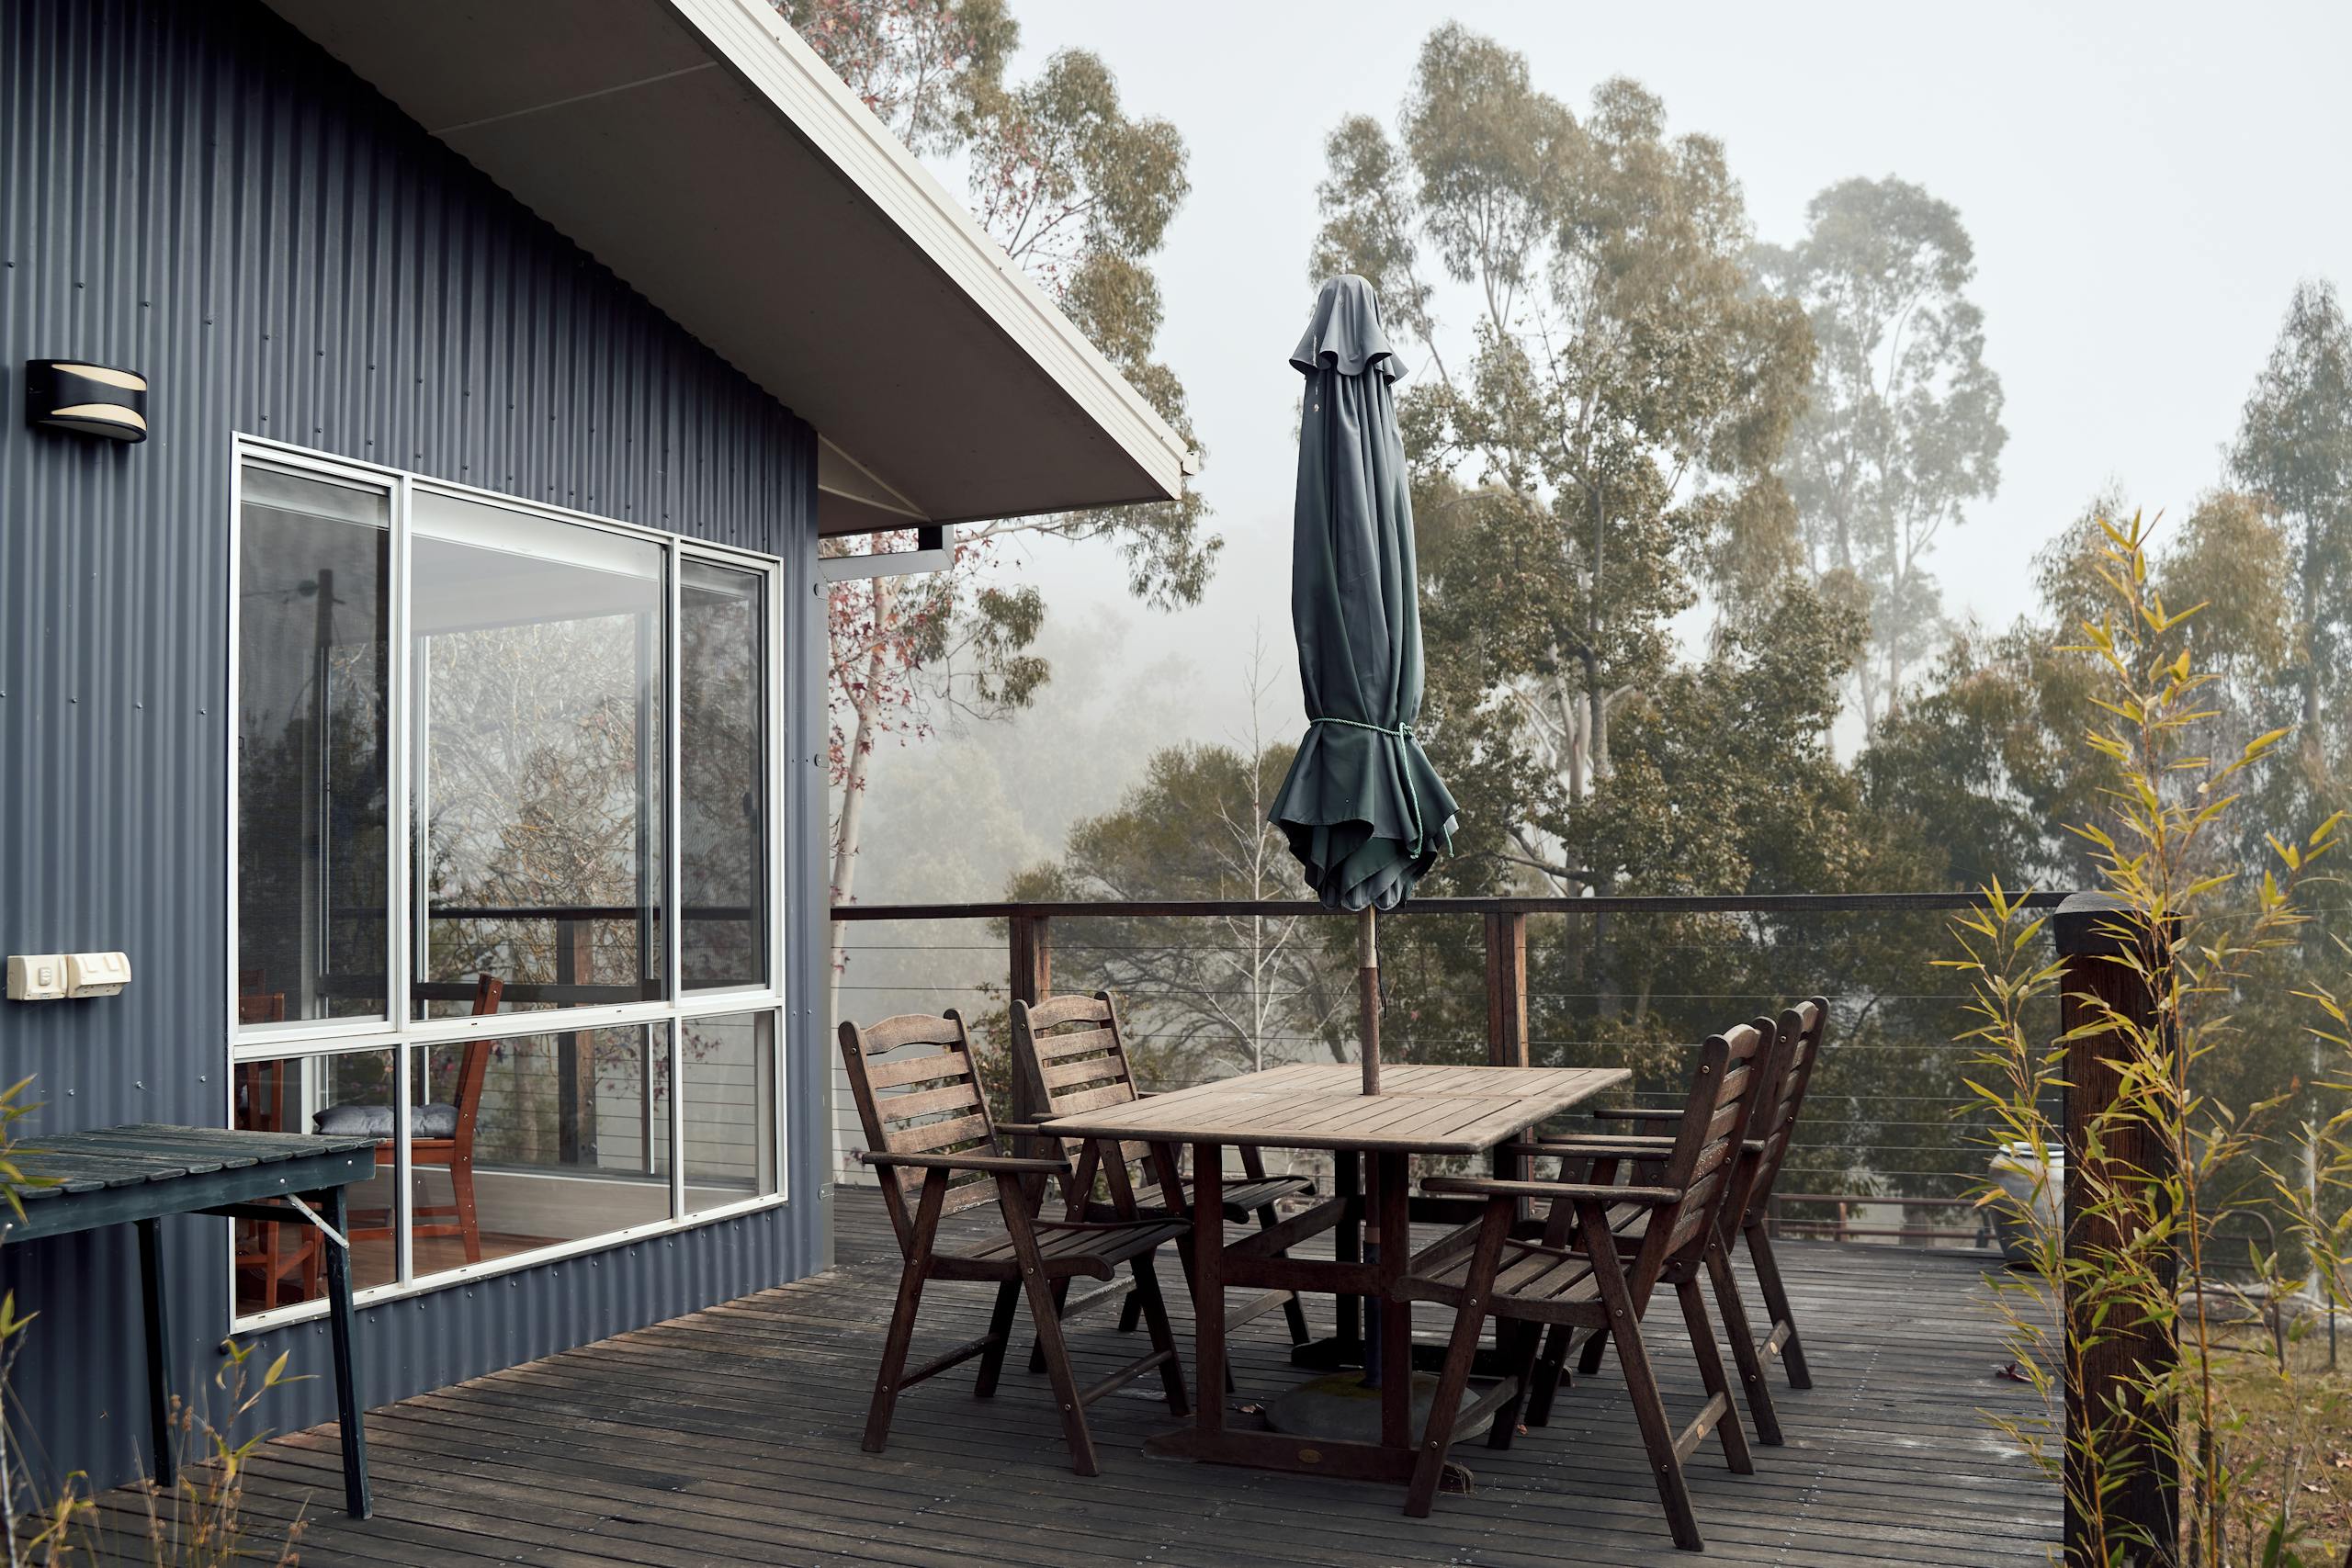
(401,1033)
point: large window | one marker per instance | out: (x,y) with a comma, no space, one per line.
(495,764)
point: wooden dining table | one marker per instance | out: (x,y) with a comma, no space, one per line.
(1423,1110)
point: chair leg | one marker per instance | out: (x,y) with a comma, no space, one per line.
(1728,1431)
(1469,1327)
(1657,1437)
(902,1315)
(1154,1309)
(461,1182)
(1007,1297)
(1045,1312)
(1054,1351)
(1293,1310)
(1037,1346)
(1641,1382)
(1130,1315)
(894,1359)
(1521,1345)
(1437,1435)
(1594,1348)
(1777,1311)
(1545,1384)
(1743,1345)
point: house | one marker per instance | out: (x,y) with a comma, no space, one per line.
(412,636)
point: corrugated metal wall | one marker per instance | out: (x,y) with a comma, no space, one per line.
(196,193)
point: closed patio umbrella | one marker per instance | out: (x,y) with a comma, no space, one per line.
(1363,810)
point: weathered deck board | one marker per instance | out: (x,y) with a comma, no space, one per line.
(731,1436)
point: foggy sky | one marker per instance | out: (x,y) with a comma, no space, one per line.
(2145,185)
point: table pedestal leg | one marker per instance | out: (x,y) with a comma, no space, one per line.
(1208,1286)
(1390,1175)
(159,1351)
(1347,1246)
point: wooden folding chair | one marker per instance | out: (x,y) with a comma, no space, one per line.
(928,1127)
(1593,1272)
(441,1134)
(1801,1030)
(1069,1054)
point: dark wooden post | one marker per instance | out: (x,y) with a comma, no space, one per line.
(575,965)
(1033,958)
(1507,991)
(2094,932)
(1031,953)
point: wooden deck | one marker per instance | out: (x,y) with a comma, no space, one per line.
(731,1437)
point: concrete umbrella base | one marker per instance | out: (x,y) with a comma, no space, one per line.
(1338,1408)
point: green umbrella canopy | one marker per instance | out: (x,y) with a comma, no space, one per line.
(1364,812)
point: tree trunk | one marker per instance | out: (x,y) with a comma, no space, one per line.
(853,818)
(1597,717)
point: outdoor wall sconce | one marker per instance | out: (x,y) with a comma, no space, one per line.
(67,394)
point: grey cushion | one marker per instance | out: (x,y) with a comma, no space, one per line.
(376,1120)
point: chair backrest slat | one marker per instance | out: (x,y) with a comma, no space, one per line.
(939,1106)
(1070,1047)
(930,1067)
(936,1136)
(1055,1011)
(1059,1076)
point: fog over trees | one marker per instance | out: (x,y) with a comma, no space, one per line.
(1687,484)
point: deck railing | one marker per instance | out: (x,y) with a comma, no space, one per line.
(1905,1180)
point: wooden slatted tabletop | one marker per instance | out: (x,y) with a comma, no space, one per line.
(115,1174)
(1419,1109)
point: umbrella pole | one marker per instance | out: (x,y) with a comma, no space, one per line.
(1368,1029)
(1368,994)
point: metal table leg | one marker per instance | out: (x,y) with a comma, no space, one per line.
(159,1351)
(346,1393)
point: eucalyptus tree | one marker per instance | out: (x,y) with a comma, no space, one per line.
(1080,193)
(2294,451)
(1903,429)
(1594,435)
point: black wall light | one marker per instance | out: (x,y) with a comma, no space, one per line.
(67,394)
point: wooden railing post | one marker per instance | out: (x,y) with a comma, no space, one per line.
(2093,932)
(1033,958)
(1031,954)
(575,965)
(1507,991)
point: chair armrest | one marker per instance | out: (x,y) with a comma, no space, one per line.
(1637,1114)
(999,1165)
(1023,1130)
(1620,1144)
(1594,1146)
(1486,1187)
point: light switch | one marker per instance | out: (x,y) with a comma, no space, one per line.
(38,978)
(96,974)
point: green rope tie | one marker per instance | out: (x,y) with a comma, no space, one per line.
(1412,796)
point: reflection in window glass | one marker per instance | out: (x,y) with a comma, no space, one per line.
(722,769)
(312,575)
(279,1265)
(538,649)
(535,1140)
(729,1108)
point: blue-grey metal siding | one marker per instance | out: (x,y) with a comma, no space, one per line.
(196,193)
